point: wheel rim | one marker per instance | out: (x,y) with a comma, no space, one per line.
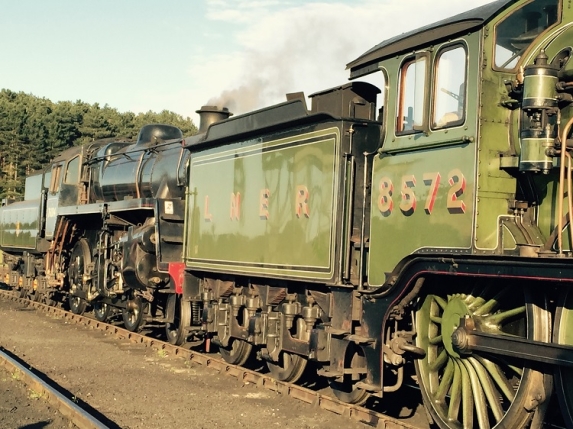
(80,259)
(237,352)
(564,376)
(479,390)
(77,304)
(177,331)
(101,311)
(133,314)
(346,389)
(290,366)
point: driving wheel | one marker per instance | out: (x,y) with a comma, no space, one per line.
(477,390)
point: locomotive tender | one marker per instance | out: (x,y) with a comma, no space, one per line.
(424,222)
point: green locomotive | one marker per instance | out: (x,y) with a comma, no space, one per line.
(433,231)
(416,232)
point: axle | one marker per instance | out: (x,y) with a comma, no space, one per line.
(467,339)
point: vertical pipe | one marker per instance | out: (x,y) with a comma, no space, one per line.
(570,198)
(363,227)
(561,186)
(349,188)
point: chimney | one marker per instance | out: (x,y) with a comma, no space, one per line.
(211,114)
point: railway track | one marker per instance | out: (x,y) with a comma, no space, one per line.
(368,417)
(66,405)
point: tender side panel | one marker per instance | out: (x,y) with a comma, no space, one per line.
(266,207)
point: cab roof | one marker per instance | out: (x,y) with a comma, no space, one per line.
(447,28)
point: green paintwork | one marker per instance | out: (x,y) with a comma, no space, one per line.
(19,225)
(497,185)
(548,184)
(284,244)
(489,161)
(443,151)
(454,311)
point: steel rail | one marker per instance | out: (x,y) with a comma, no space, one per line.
(361,414)
(66,406)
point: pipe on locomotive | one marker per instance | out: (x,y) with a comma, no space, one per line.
(209,115)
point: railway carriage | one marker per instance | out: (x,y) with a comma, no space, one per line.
(415,232)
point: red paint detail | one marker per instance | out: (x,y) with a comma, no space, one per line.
(207,216)
(457,182)
(408,204)
(301,206)
(235,212)
(176,271)
(385,202)
(264,204)
(433,181)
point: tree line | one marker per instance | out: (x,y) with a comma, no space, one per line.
(34,130)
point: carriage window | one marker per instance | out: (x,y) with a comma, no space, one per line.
(55,182)
(449,98)
(411,107)
(516,32)
(73,171)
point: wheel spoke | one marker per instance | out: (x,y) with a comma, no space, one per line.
(499,318)
(491,305)
(467,399)
(476,303)
(491,393)
(476,391)
(478,395)
(498,377)
(436,319)
(480,292)
(456,393)
(518,371)
(440,301)
(436,340)
(440,361)
(445,383)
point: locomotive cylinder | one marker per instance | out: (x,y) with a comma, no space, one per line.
(139,264)
(538,123)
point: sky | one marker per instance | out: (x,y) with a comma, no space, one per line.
(178,55)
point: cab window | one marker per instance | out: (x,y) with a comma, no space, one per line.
(450,87)
(47,179)
(33,188)
(411,104)
(72,171)
(55,182)
(517,32)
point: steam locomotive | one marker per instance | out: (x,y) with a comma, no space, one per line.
(413,232)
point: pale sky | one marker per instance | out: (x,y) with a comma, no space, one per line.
(140,55)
